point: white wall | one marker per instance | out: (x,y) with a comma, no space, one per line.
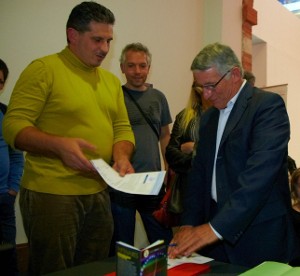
(222,22)
(279,57)
(172,29)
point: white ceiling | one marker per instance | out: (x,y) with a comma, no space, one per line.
(292,5)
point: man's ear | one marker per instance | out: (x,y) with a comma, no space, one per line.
(236,73)
(122,67)
(72,35)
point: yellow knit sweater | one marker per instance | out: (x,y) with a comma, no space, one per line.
(60,95)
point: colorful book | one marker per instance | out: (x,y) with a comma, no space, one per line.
(151,260)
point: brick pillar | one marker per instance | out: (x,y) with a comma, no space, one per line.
(249,20)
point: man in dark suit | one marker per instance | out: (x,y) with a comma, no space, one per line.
(237,207)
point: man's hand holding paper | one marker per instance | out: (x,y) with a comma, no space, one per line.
(148,183)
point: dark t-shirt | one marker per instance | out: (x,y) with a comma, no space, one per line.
(154,104)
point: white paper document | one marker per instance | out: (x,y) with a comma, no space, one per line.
(194,258)
(148,183)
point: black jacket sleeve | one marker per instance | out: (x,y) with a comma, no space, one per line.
(178,161)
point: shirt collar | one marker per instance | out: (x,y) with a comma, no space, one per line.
(232,101)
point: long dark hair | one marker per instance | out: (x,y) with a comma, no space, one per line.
(294,184)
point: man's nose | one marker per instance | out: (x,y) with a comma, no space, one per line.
(104,47)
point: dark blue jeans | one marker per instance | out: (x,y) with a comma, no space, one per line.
(124,207)
(8,234)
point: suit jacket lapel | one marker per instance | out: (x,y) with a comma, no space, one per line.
(211,134)
(237,111)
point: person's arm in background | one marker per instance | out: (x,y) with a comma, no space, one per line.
(14,161)
(164,140)
(178,160)
(16,164)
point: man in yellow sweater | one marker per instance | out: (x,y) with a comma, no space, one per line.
(64,111)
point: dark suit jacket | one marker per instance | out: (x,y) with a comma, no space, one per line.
(253,215)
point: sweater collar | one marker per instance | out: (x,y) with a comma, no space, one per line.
(75,61)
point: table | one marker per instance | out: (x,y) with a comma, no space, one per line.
(109,265)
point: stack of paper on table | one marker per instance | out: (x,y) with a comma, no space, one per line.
(188,266)
(195,258)
(148,183)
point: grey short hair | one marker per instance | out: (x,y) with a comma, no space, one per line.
(217,55)
(136,47)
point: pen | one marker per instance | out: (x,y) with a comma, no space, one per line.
(172,245)
(145,179)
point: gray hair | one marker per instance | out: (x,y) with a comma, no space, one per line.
(222,57)
(135,47)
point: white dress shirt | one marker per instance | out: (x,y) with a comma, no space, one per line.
(224,115)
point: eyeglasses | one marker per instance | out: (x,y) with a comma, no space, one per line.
(213,86)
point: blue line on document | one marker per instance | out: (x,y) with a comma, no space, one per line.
(145,179)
